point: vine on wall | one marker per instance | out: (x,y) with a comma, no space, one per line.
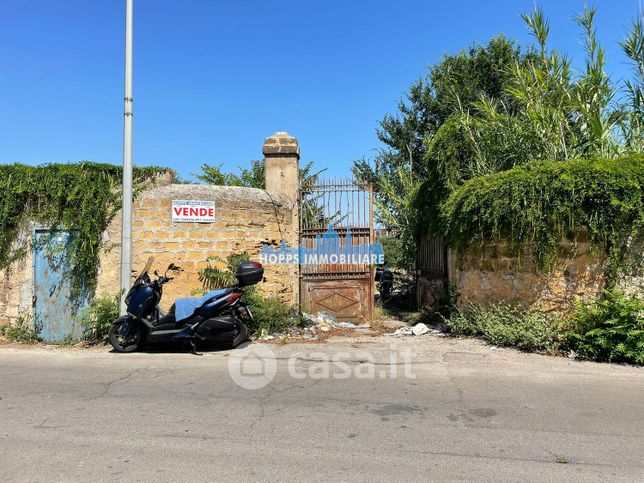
(83,197)
(537,205)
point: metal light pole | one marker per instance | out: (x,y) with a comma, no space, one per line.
(126,225)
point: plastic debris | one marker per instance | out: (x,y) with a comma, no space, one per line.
(309,326)
(325,318)
(419,329)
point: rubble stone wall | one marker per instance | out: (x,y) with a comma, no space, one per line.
(16,284)
(495,275)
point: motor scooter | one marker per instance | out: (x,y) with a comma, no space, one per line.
(220,316)
(385,279)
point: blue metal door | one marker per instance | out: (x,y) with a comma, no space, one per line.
(55,308)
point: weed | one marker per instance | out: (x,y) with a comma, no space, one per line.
(25,330)
(505,325)
(97,319)
(610,329)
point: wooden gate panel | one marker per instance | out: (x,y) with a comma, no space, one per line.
(345,299)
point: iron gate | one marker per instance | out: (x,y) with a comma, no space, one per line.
(337,213)
(431,265)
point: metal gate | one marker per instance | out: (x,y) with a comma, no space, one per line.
(431,265)
(337,213)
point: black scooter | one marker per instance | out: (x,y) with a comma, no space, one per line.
(219,316)
(385,279)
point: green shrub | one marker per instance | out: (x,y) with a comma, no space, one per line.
(536,205)
(212,277)
(506,325)
(271,314)
(25,330)
(97,319)
(610,329)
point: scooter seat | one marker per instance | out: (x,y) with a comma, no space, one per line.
(185,307)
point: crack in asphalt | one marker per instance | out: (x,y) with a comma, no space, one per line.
(262,401)
(272,390)
(109,384)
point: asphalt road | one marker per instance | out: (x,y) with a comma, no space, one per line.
(469,413)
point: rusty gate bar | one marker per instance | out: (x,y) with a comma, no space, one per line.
(431,264)
(346,290)
(431,256)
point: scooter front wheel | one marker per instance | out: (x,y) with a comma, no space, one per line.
(126,337)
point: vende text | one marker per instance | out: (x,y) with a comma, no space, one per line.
(195,211)
(185,211)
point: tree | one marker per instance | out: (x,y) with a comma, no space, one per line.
(633,125)
(491,108)
(557,115)
(253,177)
(250,178)
(403,165)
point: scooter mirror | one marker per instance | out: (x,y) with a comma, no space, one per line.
(156,273)
(171,266)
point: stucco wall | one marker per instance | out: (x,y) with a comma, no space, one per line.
(495,275)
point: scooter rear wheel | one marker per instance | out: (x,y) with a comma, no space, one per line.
(241,333)
(132,341)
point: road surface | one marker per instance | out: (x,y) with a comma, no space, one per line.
(461,410)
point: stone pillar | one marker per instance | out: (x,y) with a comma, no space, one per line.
(281,158)
(282,176)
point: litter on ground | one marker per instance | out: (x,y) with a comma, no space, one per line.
(418,329)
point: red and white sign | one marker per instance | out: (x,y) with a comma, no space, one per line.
(193,211)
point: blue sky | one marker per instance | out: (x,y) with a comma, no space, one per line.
(213,78)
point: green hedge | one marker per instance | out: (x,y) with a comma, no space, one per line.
(538,204)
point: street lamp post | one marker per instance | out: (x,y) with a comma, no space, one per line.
(126,225)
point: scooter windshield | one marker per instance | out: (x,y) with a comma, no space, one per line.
(144,272)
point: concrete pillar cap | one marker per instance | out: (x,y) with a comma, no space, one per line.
(281,143)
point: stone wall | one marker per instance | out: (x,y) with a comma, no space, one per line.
(246,219)
(16,284)
(495,275)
